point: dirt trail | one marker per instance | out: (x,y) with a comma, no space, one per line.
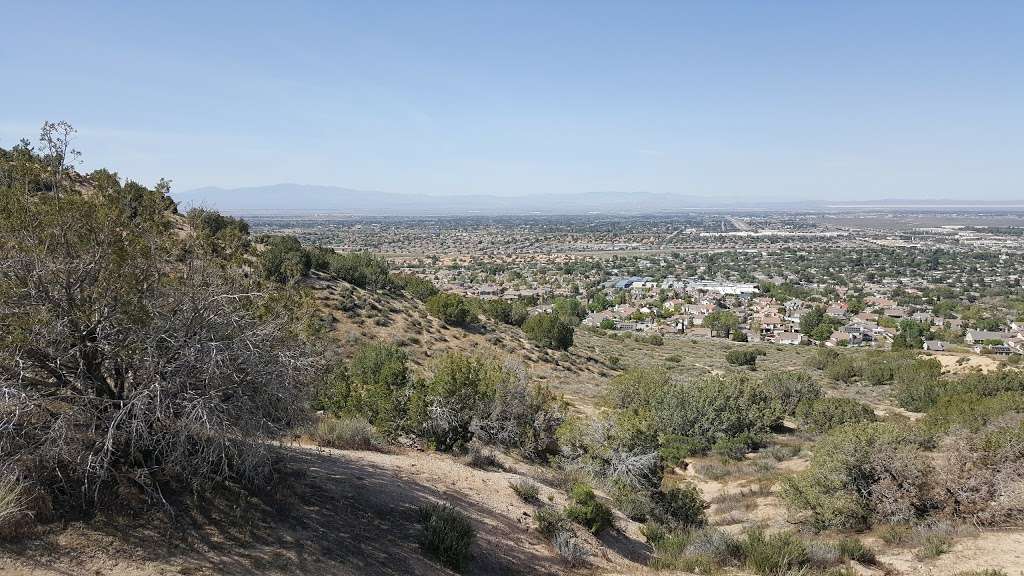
(347,513)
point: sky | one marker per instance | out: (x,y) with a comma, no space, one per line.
(727,99)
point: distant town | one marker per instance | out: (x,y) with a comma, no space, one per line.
(929,280)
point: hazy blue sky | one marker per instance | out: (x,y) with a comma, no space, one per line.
(814,99)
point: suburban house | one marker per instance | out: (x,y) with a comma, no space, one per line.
(934,346)
(790,338)
(981,336)
(842,338)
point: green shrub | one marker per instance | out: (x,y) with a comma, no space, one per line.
(971,410)
(736,447)
(825,414)
(845,369)
(743,357)
(862,473)
(715,544)
(373,385)
(653,532)
(674,449)
(360,269)
(773,554)
(714,407)
(452,309)
(462,389)
(511,313)
(894,534)
(933,546)
(670,554)
(419,288)
(283,259)
(549,331)
(448,534)
(587,511)
(791,388)
(918,386)
(681,506)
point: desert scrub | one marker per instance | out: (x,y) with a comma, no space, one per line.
(772,554)
(527,490)
(346,433)
(448,534)
(824,414)
(482,458)
(894,534)
(550,521)
(570,549)
(587,511)
(681,507)
(635,504)
(14,502)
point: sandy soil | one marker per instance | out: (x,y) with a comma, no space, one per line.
(343,513)
(1000,550)
(954,363)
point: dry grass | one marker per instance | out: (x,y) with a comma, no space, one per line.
(14,501)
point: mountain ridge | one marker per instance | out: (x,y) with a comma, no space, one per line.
(292,197)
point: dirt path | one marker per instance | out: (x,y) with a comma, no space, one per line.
(341,513)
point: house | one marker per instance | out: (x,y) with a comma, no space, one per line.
(896,312)
(934,346)
(981,336)
(836,311)
(993,349)
(674,304)
(867,317)
(795,315)
(625,325)
(794,304)
(700,332)
(595,318)
(790,338)
(924,317)
(842,338)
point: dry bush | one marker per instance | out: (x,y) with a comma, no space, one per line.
(570,549)
(130,353)
(14,505)
(346,433)
(982,476)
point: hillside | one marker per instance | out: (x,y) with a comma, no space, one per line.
(361,315)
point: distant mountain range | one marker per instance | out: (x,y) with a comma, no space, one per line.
(309,198)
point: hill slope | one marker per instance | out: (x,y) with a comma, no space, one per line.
(363,315)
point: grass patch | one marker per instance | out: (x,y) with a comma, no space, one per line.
(527,490)
(448,534)
(346,433)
